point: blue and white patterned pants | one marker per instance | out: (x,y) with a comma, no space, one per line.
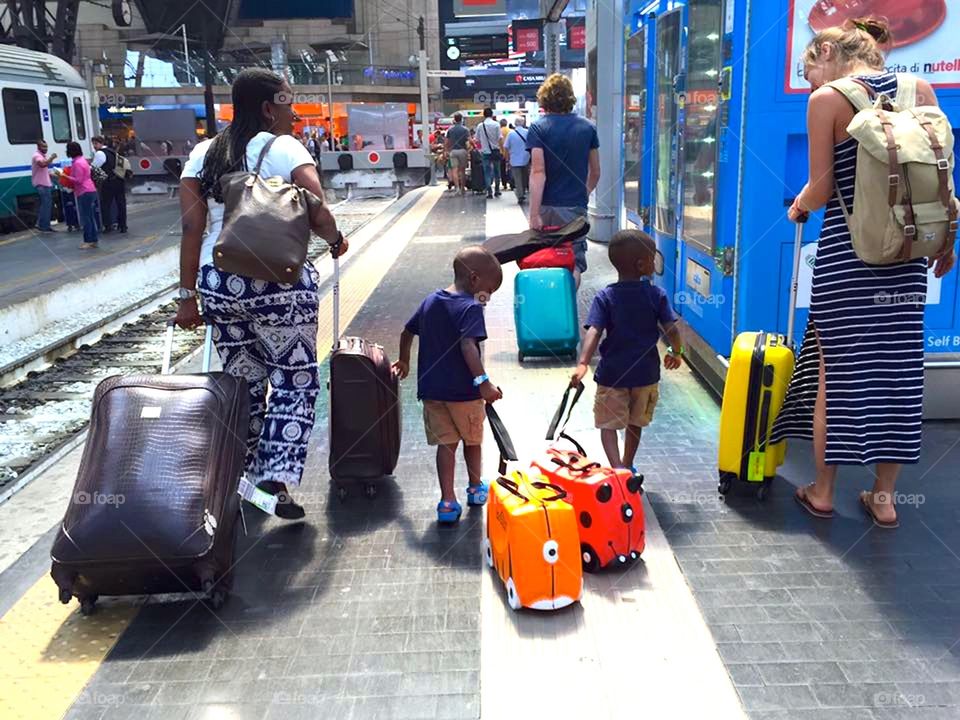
(267,332)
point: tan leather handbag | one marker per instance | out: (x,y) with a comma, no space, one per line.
(266,225)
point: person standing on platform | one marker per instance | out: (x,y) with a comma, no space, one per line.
(455,145)
(86,194)
(564,163)
(114,190)
(488,135)
(505,129)
(515,147)
(39,167)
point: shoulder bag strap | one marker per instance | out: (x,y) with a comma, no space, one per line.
(906,91)
(263,154)
(487,134)
(857,92)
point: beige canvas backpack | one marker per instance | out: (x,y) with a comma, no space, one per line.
(903,200)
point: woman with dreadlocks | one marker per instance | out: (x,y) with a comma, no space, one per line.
(263,331)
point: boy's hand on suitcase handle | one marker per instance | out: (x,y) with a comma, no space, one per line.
(577,378)
(490,392)
(671,361)
(400,369)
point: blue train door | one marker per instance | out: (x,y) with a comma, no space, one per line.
(705,293)
(667,140)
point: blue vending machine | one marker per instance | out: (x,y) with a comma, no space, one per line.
(715,149)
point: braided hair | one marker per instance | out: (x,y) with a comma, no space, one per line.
(228,151)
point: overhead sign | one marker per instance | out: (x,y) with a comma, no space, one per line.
(576,33)
(479,47)
(463,8)
(923,43)
(446,73)
(527,36)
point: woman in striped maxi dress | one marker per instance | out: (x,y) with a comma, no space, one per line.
(857,389)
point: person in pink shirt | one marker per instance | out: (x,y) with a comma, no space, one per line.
(86,194)
(42,184)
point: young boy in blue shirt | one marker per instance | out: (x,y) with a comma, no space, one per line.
(451,381)
(631,313)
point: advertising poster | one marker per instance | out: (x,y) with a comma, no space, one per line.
(924,35)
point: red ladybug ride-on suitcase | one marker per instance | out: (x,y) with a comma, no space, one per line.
(607,501)
(155,503)
(364,409)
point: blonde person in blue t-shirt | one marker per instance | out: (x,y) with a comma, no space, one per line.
(631,313)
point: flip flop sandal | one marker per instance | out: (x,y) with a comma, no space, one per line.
(868,507)
(801,497)
(477,494)
(449,512)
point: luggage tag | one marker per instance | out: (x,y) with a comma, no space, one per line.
(255,496)
(755,466)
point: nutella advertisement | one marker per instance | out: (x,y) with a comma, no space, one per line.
(924,35)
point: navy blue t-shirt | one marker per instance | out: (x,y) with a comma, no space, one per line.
(630,312)
(566,140)
(442,321)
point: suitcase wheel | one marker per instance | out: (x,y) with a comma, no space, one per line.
(764,490)
(726,482)
(65,596)
(513,600)
(217,598)
(370,491)
(341,493)
(591,563)
(488,552)
(88,605)
(520,356)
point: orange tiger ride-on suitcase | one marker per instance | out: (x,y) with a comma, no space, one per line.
(531,539)
(608,502)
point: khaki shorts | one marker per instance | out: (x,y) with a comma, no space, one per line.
(615,408)
(447,423)
(458,158)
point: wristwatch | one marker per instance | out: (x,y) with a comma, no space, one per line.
(185,294)
(480,380)
(339,241)
(677,353)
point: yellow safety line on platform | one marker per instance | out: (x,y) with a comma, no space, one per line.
(48,651)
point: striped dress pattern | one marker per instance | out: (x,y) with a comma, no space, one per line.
(869,319)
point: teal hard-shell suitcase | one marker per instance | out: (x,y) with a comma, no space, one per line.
(545,313)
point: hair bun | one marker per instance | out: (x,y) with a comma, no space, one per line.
(877,28)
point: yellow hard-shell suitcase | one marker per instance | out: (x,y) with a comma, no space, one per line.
(761,365)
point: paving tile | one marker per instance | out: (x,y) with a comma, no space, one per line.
(777,697)
(885,671)
(800,673)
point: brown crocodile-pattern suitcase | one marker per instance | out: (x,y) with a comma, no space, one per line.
(155,505)
(364,413)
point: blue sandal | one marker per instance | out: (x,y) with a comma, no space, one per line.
(477,494)
(448,512)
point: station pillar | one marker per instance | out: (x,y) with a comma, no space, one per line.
(604,57)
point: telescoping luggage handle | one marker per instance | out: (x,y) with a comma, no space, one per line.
(336,303)
(552,430)
(795,281)
(168,348)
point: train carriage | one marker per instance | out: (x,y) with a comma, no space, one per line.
(40,96)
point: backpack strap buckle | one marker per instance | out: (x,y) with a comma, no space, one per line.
(910,231)
(893,179)
(943,164)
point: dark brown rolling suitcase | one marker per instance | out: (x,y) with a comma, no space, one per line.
(155,505)
(364,409)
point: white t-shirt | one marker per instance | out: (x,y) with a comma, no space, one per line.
(286,155)
(99,158)
(488,134)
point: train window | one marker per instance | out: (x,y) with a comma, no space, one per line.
(79,115)
(60,117)
(700,131)
(21,110)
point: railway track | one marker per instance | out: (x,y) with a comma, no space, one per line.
(42,414)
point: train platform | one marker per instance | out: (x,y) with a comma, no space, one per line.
(369,609)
